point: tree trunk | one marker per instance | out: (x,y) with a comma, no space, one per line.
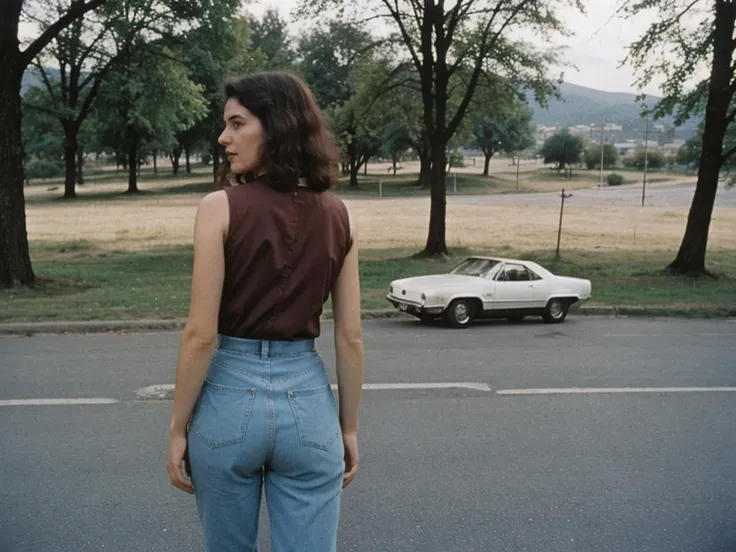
(354,169)
(425,165)
(187,154)
(214,152)
(155,163)
(436,240)
(80,166)
(70,161)
(353,164)
(15,260)
(394,164)
(175,156)
(132,160)
(365,168)
(690,258)
(487,163)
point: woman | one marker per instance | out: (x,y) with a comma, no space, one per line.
(270,247)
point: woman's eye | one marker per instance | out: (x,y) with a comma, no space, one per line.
(237,124)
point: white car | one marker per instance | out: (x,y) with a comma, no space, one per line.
(490,287)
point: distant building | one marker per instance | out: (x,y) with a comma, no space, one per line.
(628,147)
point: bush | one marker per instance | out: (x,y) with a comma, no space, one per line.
(43,168)
(206,158)
(615,179)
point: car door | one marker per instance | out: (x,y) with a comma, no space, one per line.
(538,290)
(517,288)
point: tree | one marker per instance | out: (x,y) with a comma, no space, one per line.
(15,260)
(270,37)
(339,62)
(487,137)
(132,99)
(697,34)
(518,131)
(652,158)
(447,42)
(564,150)
(593,156)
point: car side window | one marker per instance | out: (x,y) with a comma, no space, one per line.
(517,273)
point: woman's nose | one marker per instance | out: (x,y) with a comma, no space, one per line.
(223,139)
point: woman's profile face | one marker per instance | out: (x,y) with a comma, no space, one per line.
(242,138)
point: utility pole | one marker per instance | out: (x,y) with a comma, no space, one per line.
(564,196)
(646,162)
(601,186)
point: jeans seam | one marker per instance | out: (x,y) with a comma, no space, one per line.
(303,372)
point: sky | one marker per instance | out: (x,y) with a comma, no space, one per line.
(596,49)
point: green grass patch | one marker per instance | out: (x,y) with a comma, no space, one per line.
(78,281)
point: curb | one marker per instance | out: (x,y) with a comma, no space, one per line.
(107,326)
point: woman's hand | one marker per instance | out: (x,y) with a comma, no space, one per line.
(177,450)
(350,440)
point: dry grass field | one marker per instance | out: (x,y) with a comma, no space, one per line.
(108,219)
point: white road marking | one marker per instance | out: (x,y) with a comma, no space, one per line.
(444,385)
(166,391)
(55,402)
(601,390)
(671,335)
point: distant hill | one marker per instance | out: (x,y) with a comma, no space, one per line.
(579,106)
(32,77)
(585,106)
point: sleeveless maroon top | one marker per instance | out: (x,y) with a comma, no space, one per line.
(283,253)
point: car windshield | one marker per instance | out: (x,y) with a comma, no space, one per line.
(476,267)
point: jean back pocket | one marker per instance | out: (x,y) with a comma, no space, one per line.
(222,413)
(316,416)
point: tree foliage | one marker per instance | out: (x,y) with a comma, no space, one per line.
(270,38)
(564,150)
(593,156)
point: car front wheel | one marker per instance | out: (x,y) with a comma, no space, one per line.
(460,313)
(556,311)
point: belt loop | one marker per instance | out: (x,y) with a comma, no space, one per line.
(264,349)
(219,341)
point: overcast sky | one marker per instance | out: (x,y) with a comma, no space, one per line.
(596,49)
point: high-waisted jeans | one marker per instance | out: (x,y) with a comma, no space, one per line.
(266,416)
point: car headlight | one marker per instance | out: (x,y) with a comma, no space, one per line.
(390,289)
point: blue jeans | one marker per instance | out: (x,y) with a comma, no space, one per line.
(266,416)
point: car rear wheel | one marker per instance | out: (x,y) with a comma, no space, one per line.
(556,311)
(460,313)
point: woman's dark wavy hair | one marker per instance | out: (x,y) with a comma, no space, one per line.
(297,141)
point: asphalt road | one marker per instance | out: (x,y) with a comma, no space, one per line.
(677,195)
(442,470)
